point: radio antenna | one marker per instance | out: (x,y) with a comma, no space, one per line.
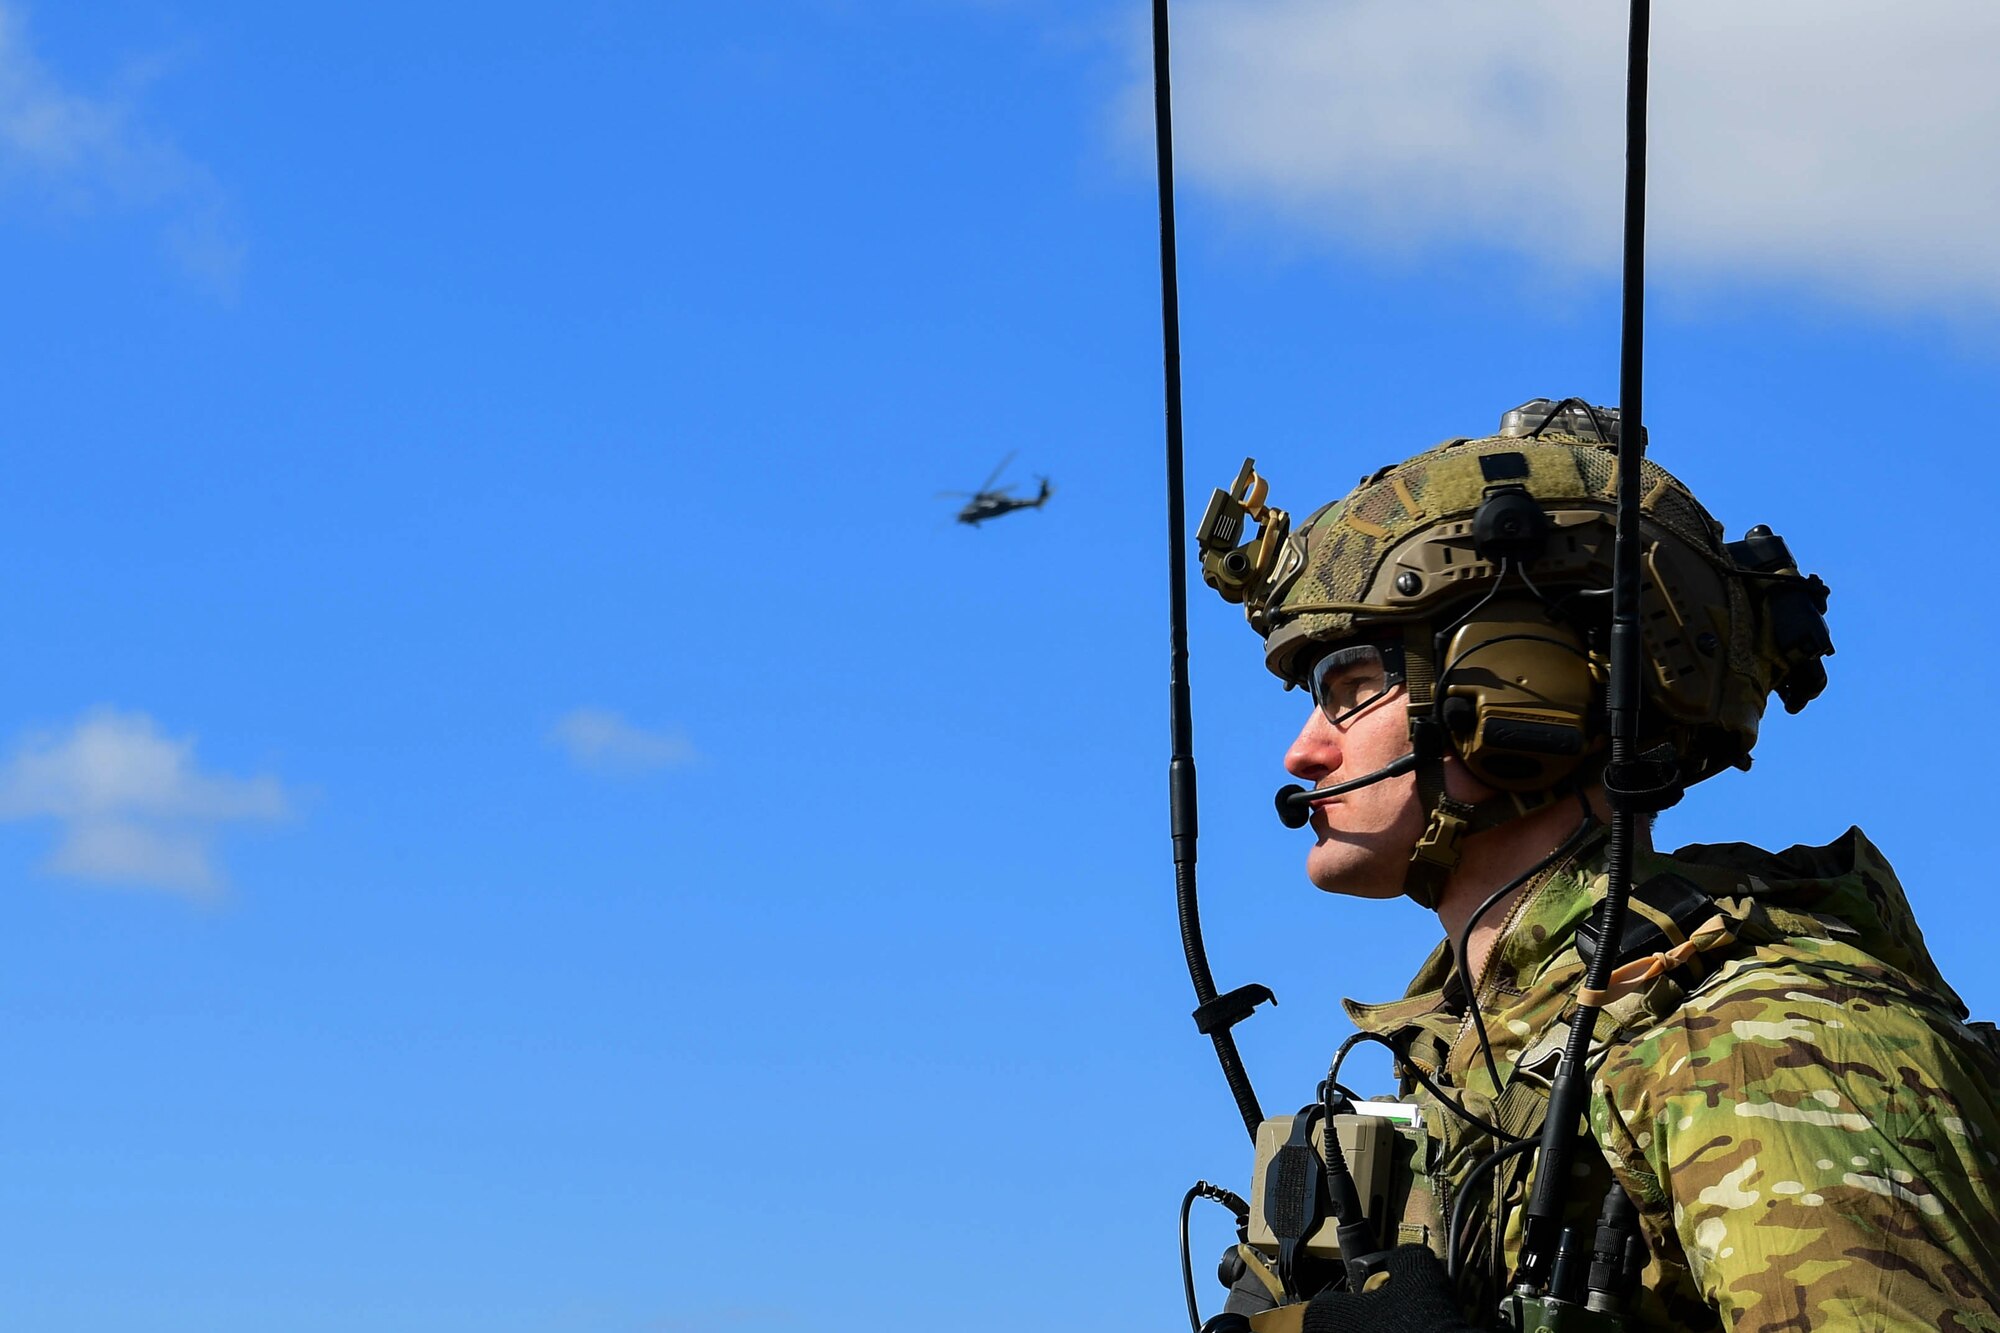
(1214,1015)
(1634,783)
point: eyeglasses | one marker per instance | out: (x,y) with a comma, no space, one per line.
(1349,679)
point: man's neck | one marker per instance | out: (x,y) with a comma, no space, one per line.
(1497,857)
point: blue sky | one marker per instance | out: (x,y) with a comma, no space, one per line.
(521,812)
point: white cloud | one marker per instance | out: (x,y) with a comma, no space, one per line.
(1851,146)
(68,153)
(132,805)
(603,741)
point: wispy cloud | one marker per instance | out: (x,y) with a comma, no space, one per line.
(64,152)
(743,1317)
(132,806)
(604,742)
(1849,146)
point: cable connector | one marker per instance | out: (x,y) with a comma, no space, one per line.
(1229,1199)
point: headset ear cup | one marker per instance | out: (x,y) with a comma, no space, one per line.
(1516,695)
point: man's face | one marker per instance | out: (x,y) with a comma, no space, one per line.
(1365,837)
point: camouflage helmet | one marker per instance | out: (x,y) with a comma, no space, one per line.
(1533,508)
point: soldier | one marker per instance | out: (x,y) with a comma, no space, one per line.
(1784,1085)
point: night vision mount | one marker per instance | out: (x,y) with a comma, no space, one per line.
(1237,568)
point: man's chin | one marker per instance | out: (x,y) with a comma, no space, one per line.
(1351,881)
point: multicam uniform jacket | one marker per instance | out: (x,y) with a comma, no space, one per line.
(1804,1118)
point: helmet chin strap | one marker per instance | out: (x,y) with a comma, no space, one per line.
(1449,822)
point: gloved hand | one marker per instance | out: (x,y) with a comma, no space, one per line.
(1416,1298)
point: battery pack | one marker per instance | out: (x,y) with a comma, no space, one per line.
(1367,1140)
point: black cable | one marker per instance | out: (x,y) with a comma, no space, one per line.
(1499,580)
(1333,1098)
(1340,1056)
(1513,1143)
(1464,941)
(1201,1189)
(1403,1059)
(1455,1231)
(1444,676)
(1558,609)
(1442,686)
(1553,413)
(1187,1258)
(1502,1209)
(1568,847)
(1540,596)
(1438,639)
(1596,422)
(1455,1249)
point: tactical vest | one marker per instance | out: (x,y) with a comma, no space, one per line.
(1692,927)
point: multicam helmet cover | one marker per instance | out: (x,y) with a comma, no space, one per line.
(1722,622)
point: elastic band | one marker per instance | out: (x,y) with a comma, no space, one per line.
(1641,972)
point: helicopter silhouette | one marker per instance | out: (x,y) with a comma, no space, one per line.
(988,502)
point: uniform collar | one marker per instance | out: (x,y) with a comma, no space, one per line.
(1542,930)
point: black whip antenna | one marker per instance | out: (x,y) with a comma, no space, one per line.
(1214,1015)
(1633,782)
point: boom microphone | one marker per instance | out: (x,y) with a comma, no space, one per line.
(1295,802)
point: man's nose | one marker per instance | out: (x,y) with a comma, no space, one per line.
(1317,750)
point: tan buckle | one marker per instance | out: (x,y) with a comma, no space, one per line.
(1439,845)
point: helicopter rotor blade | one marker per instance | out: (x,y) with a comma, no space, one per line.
(994,476)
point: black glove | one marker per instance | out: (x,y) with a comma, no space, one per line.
(1416,1298)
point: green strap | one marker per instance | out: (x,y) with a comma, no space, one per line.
(1436,852)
